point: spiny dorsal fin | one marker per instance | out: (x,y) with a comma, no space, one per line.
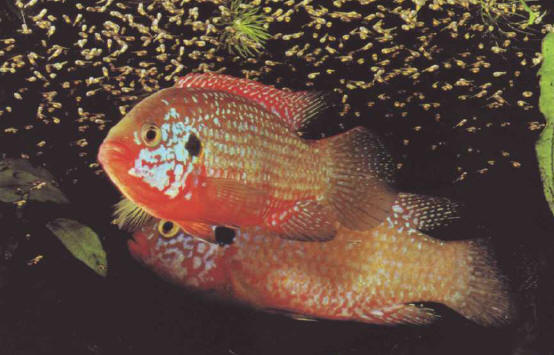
(294,108)
(424,213)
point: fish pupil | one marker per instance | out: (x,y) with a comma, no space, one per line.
(151,135)
(167,226)
(193,145)
(224,235)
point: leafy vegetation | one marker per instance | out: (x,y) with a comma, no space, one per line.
(545,144)
(20,183)
(509,15)
(82,242)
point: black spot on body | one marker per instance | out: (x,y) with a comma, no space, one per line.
(193,145)
(224,235)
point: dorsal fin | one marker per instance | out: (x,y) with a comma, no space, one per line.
(360,176)
(424,213)
(295,108)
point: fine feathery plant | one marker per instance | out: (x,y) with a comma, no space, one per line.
(245,28)
(510,15)
(498,15)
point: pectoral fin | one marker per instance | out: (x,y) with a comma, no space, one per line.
(303,221)
(202,231)
(235,194)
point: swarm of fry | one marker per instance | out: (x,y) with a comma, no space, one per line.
(448,72)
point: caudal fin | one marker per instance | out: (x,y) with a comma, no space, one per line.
(360,173)
(482,295)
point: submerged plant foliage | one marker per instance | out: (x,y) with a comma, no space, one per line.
(82,242)
(545,144)
(503,16)
(21,182)
(244,30)
(510,15)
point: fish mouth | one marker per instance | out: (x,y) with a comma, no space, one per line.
(114,158)
(138,250)
(111,151)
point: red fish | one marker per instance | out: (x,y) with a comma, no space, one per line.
(216,150)
(375,276)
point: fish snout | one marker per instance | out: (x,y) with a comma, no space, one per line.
(139,247)
(112,151)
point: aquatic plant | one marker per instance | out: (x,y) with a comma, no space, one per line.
(505,15)
(545,144)
(22,183)
(244,30)
(498,15)
(82,242)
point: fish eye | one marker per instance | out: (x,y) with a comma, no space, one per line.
(168,229)
(193,145)
(151,135)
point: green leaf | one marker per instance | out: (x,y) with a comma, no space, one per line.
(19,180)
(82,242)
(545,144)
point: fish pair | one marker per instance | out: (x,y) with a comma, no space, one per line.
(220,151)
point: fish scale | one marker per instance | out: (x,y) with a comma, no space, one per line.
(271,149)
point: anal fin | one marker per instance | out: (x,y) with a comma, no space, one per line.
(295,316)
(401,314)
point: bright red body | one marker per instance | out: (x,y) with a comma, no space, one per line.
(229,158)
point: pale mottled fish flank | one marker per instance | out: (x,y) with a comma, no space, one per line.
(185,259)
(376,276)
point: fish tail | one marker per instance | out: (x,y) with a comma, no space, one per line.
(360,176)
(482,294)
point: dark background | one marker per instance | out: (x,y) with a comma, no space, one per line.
(60,307)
